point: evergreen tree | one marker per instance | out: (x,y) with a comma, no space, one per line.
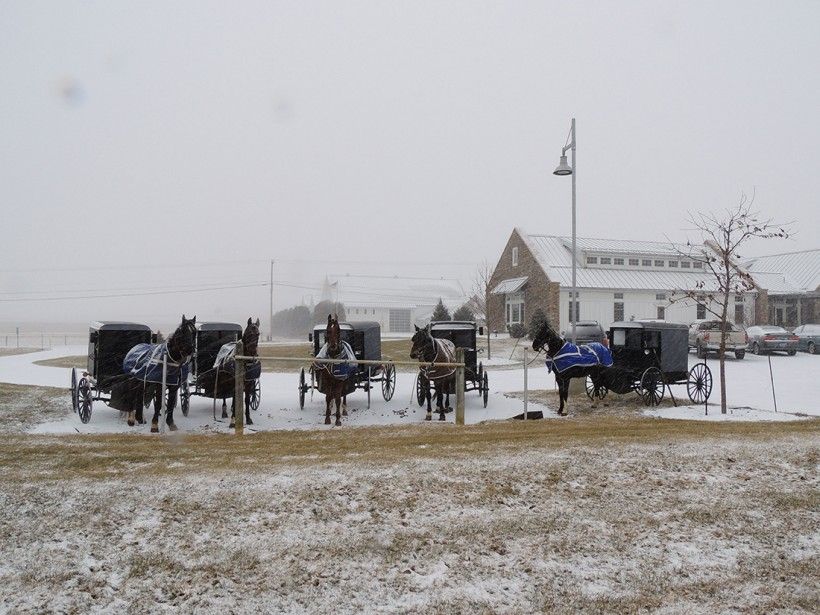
(323,308)
(464,313)
(441,312)
(538,319)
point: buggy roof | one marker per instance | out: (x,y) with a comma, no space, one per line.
(359,325)
(218,326)
(453,324)
(117,325)
(651,325)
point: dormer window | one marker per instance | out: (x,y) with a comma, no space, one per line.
(685,264)
(647,262)
(673,264)
(658,263)
(515,257)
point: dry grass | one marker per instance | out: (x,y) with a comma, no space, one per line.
(23,406)
(79,361)
(7,352)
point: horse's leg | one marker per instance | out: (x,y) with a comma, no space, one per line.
(563,394)
(232,424)
(344,404)
(172,403)
(328,399)
(157,404)
(428,396)
(340,387)
(248,393)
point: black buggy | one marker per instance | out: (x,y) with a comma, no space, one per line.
(210,337)
(366,341)
(463,335)
(649,356)
(108,343)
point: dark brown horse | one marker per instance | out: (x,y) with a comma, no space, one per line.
(333,377)
(428,349)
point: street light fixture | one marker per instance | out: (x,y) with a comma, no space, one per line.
(564,169)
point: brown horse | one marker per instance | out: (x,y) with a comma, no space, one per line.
(333,377)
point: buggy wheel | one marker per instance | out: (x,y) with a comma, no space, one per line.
(84,401)
(485,386)
(480,379)
(256,395)
(302,388)
(389,382)
(421,389)
(185,398)
(594,392)
(74,389)
(651,387)
(699,383)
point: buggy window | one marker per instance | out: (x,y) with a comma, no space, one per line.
(627,338)
(653,339)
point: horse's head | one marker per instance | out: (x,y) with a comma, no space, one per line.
(424,348)
(181,341)
(333,336)
(546,337)
(250,338)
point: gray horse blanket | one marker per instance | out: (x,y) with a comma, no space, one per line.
(571,355)
(445,353)
(225,362)
(339,371)
(144,362)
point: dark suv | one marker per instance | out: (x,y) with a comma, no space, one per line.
(586,331)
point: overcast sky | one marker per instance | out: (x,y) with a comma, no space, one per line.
(157,145)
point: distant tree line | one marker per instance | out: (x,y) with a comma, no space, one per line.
(299,320)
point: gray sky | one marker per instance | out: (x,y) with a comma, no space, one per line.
(139,138)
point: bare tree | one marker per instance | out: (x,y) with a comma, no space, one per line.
(480,300)
(723,235)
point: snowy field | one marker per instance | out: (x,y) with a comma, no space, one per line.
(796,379)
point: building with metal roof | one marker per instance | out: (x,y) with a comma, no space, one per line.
(792,282)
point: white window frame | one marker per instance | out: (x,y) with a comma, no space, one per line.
(514,308)
(515,256)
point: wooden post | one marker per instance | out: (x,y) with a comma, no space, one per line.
(460,387)
(526,388)
(239,391)
(163,404)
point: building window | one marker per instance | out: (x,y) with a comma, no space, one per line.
(577,310)
(701,314)
(605,260)
(618,312)
(647,262)
(592,260)
(399,321)
(515,308)
(685,264)
(619,295)
(738,313)
(673,264)
(515,257)
(660,297)
(661,312)
(633,262)
(658,263)
(697,265)
(618,261)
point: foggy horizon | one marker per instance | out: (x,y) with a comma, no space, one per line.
(165,149)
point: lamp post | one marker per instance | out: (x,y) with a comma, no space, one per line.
(564,169)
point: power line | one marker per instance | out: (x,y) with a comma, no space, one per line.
(136,294)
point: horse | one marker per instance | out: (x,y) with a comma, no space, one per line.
(333,377)
(220,381)
(428,349)
(569,361)
(142,369)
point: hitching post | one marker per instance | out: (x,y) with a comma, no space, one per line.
(525,384)
(164,393)
(771,375)
(239,391)
(460,387)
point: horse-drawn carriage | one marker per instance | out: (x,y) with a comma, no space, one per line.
(108,344)
(648,356)
(463,335)
(364,339)
(210,338)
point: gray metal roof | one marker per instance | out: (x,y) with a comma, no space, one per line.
(118,325)
(513,285)
(218,326)
(799,270)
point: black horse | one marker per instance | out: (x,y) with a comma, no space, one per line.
(142,380)
(220,381)
(428,349)
(547,339)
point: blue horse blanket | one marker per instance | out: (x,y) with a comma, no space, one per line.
(340,371)
(571,355)
(144,362)
(225,362)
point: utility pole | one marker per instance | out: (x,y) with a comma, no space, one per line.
(270,333)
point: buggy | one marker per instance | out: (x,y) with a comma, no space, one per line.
(108,343)
(365,339)
(463,335)
(210,337)
(649,356)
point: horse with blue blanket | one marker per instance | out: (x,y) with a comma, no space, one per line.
(569,361)
(142,375)
(333,377)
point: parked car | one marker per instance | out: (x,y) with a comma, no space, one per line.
(704,336)
(767,338)
(808,338)
(586,332)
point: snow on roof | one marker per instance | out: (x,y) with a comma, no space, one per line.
(398,292)
(632,279)
(512,285)
(798,270)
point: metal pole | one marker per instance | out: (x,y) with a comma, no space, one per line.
(460,387)
(164,394)
(239,391)
(526,393)
(270,334)
(18,337)
(574,298)
(772,378)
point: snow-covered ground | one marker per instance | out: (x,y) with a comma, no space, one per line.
(749,393)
